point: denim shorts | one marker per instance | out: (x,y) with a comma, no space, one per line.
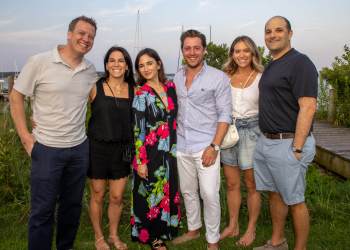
(277,170)
(242,153)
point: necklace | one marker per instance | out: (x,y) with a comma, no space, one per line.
(246,81)
(118,89)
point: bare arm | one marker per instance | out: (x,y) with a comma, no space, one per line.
(92,94)
(18,116)
(304,121)
(221,131)
(209,154)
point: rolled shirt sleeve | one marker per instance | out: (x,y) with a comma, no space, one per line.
(224,100)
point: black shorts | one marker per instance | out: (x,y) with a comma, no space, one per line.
(106,161)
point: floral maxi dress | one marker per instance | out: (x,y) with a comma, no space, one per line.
(155,202)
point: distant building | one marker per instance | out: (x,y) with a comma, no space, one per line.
(4,89)
(170,77)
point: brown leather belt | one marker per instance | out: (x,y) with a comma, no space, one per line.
(275,136)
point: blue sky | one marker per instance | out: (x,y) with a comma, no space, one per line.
(321,28)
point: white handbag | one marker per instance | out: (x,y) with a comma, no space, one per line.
(231,137)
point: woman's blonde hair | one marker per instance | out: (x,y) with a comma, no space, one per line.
(230,67)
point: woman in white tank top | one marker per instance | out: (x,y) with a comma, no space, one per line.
(244,69)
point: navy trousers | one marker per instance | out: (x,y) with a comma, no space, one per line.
(57,178)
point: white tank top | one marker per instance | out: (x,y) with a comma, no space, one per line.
(245,102)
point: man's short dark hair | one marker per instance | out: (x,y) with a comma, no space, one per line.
(289,27)
(193,33)
(86,19)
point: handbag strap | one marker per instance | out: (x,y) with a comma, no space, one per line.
(234,120)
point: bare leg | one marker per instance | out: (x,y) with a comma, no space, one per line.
(116,190)
(254,203)
(97,189)
(214,246)
(279,212)
(233,193)
(301,224)
(193,232)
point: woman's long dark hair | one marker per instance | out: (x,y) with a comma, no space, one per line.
(129,73)
(151,53)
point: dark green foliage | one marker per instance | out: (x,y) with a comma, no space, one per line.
(322,100)
(14,163)
(216,55)
(264,58)
(339,78)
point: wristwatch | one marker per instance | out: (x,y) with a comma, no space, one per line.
(216,147)
(297,150)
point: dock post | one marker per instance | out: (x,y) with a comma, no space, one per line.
(331,105)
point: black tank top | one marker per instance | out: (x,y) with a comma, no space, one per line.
(110,117)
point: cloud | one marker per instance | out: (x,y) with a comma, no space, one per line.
(245,25)
(169,29)
(204,3)
(196,27)
(311,29)
(6,21)
(104,28)
(33,36)
(129,8)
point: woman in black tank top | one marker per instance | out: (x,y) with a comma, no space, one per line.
(110,137)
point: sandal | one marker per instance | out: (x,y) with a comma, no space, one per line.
(117,243)
(157,244)
(100,244)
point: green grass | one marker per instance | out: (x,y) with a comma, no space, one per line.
(328,199)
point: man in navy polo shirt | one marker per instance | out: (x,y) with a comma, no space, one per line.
(287,104)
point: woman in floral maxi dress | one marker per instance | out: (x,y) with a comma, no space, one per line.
(155,208)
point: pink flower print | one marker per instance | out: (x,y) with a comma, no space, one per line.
(134,163)
(147,88)
(171,105)
(143,235)
(170,84)
(153,213)
(165,204)
(174,124)
(177,198)
(178,212)
(151,138)
(143,152)
(132,220)
(163,131)
(138,92)
(166,188)
(142,155)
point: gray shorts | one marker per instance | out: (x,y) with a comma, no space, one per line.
(277,170)
(242,153)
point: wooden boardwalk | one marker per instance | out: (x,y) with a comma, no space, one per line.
(333,147)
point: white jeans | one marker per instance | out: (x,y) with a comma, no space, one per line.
(192,173)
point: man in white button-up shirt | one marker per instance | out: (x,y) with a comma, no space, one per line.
(204,99)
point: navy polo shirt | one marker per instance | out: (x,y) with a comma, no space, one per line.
(282,83)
